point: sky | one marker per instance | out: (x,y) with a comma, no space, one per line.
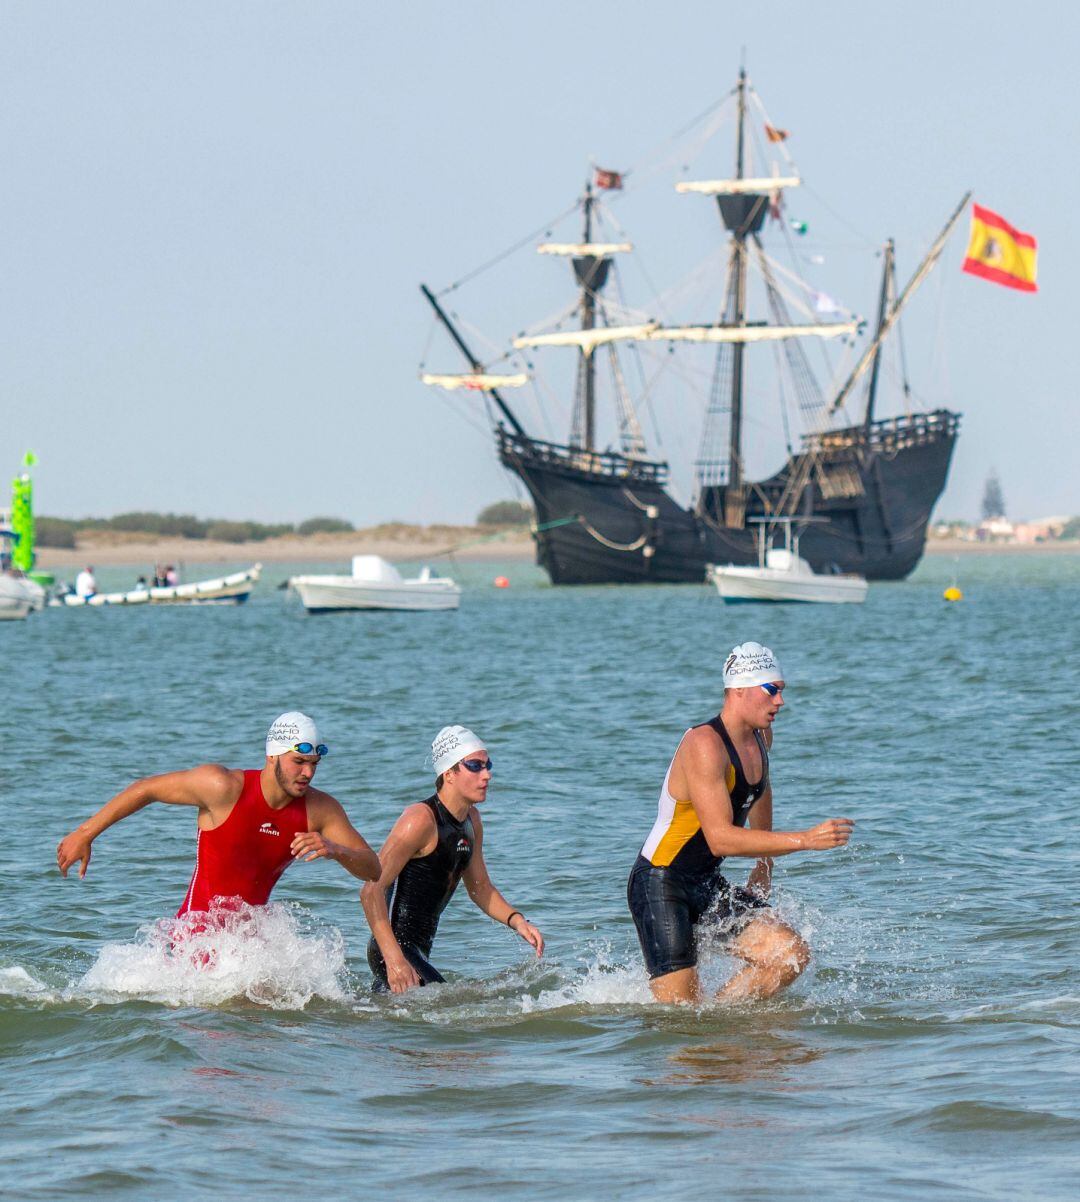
(216,217)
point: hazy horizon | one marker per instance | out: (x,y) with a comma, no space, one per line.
(218,218)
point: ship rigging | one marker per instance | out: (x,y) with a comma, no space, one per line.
(603,515)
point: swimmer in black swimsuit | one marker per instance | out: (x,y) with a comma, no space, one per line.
(434,845)
(717,782)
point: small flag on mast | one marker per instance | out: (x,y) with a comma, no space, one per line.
(776,135)
(611,180)
(999,252)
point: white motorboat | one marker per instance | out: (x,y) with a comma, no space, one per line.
(225,590)
(376,584)
(19,595)
(782,575)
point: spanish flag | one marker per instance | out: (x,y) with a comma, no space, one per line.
(1000,253)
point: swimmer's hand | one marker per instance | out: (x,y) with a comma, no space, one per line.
(73,849)
(827,835)
(521,926)
(310,845)
(400,975)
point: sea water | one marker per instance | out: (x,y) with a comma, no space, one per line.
(930,1051)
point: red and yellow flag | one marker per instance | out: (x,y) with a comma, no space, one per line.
(999,252)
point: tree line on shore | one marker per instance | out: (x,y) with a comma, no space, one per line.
(64,532)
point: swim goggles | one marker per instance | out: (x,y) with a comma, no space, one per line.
(477,765)
(310,748)
(774,690)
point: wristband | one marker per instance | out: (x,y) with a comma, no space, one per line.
(511,915)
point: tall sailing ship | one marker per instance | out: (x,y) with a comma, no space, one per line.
(607,516)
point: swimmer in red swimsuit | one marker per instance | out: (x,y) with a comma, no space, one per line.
(252,824)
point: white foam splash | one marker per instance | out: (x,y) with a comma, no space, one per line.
(604,982)
(17,982)
(271,955)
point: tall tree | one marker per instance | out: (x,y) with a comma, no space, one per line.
(993,502)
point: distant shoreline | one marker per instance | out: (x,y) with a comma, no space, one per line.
(959,546)
(470,544)
(397,543)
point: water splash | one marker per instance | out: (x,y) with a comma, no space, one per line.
(272,955)
(16,982)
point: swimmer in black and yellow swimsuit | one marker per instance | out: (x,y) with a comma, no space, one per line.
(433,846)
(718,782)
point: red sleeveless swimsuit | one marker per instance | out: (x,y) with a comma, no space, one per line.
(248,852)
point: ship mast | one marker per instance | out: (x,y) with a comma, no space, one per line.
(591,262)
(923,270)
(588,322)
(734,501)
(887,277)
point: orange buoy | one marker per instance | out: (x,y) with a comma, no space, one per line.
(501,582)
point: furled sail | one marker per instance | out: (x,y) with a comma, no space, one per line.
(750,333)
(587,340)
(475,380)
(734,187)
(596,249)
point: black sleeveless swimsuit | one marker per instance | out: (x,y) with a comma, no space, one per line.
(421,893)
(669,898)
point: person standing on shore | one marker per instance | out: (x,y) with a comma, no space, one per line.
(251,824)
(706,801)
(433,846)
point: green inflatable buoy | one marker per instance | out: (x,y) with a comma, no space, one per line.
(22,524)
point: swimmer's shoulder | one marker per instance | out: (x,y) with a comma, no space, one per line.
(416,819)
(216,784)
(701,750)
(701,746)
(322,802)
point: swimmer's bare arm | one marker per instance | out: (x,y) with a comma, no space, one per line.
(414,834)
(702,764)
(489,899)
(760,819)
(210,787)
(332,836)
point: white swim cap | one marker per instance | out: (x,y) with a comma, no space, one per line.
(451,745)
(750,664)
(288,730)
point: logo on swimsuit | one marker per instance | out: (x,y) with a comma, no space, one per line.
(463,844)
(268,828)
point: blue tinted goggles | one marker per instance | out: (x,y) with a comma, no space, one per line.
(310,748)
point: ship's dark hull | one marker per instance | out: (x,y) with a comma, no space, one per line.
(609,520)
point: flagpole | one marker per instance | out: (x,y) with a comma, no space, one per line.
(924,269)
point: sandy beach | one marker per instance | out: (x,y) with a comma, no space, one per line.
(398,543)
(956,546)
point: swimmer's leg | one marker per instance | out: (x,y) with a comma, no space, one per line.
(664,918)
(684,985)
(774,955)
